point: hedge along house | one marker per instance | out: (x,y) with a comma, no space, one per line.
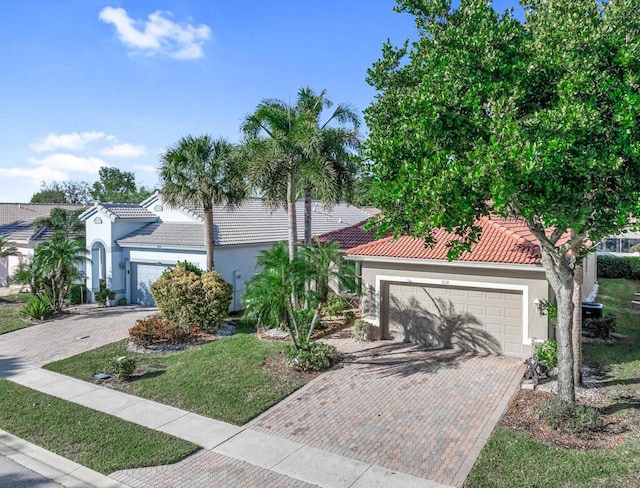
(487,300)
(132,244)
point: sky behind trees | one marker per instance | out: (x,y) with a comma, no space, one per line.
(91,83)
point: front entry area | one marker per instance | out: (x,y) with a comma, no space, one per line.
(472,318)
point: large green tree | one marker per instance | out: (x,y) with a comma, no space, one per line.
(202,171)
(115,185)
(71,192)
(536,119)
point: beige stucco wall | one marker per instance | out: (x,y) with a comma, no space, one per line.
(530,280)
(589,274)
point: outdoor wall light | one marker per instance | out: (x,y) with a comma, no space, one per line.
(538,304)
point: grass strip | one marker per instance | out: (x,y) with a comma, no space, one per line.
(94,439)
(224,379)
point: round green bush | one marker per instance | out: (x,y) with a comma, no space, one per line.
(314,356)
(188,298)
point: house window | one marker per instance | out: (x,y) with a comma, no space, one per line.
(97,220)
(158,208)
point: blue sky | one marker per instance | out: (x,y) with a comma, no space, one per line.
(88,83)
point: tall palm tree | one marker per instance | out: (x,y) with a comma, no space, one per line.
(291,150)
(330,170)
(202,171)
(278,138)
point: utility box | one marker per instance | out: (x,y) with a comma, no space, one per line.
(591,310)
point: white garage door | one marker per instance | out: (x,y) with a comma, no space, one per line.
(481,319)
(142,277)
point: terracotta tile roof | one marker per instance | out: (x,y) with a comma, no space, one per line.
(507,241)
(349,237)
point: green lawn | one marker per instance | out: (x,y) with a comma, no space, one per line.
(224,379)
(510,459)
(96,440)
(10,318)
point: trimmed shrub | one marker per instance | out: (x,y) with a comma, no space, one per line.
(334,306)
(599,327)
(36,308)
(574,419)
(189,298)
(547,352)
(120,368)
(619,267)
(315,356)
(156,330)
(361,330)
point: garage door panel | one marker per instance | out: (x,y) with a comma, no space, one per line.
(499,313)
(142,277)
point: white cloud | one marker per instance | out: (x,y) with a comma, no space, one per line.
(146,167)
(35,175)
(69,162)
(125,151)
(158,34)
(74,141)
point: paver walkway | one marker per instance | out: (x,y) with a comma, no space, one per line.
(392,415)
(85,328)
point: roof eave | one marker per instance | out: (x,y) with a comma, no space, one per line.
(437,262)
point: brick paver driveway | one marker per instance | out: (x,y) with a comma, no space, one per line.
(89,327)
(421,412)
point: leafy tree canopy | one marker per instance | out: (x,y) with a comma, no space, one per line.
(115,185)
(69,192)
(536,119)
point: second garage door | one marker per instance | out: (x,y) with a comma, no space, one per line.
(142,277)
(473,316)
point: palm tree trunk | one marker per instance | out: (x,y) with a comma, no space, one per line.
(307,213)
(291,211)
(293,228)
(208,234)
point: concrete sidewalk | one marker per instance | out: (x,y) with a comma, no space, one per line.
(262,456)
(48,464)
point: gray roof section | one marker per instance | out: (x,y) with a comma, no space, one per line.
(250,223)
(125,211)
(20,212)
(17,219)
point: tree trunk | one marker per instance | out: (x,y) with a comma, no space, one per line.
(208,234)
(560,277)
(577,325)
(291,211)
(317,315)
(307,214)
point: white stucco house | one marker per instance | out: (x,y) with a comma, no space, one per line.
(131,244)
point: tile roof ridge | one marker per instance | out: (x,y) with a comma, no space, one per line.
(362,247)
(505,230)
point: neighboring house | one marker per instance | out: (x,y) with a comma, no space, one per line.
(17,224)
(347,238)
(132,244)
(499,285)
(620,244)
